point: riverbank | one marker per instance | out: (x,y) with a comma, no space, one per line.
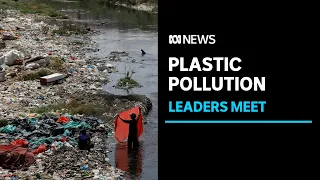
(150,6)
(147,6)
(27,37)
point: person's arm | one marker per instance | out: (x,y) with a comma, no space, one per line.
(125,121)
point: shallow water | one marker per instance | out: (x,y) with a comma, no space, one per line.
(127,30)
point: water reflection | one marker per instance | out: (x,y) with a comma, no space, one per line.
(122,18)
(129,161)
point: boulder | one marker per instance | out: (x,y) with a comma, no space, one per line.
(11,57)
(8,36)
(32,66)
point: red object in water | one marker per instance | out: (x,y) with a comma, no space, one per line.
(49,53)
(63,119)
(64,139)
(122,128)
(123,159)
(20,142)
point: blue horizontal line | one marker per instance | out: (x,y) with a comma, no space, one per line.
(237,121)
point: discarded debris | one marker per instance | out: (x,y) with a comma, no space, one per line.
(52,79)
(8,36)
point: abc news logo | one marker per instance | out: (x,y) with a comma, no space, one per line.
(192,39)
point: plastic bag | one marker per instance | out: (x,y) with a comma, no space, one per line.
(63,119)
(42,148)
(7,129)
(73,125)
(67,133)
(33,121)
(20,142)
(12,56)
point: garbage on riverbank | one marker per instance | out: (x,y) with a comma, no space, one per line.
(51,143)
(51,134)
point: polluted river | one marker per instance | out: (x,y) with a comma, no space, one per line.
(130,31)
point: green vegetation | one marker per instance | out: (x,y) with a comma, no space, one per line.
(127,82)
(57,64)
(80,43)
(133,2)
(3,122)
(73,107)
(32,7)
(36,75)
(68,29)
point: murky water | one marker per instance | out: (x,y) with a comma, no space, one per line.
(127,30)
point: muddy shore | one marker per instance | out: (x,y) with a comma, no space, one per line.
(26,37)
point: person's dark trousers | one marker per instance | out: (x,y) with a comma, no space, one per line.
(133,142)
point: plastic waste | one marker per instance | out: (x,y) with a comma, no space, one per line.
(42,148)
(38,141)
(85,167)
(20,142)
(73,125)
(63,119)
(64,139)
(67,133)
(7,129)
(33,121)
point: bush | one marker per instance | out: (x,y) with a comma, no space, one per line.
(32,7)
(57,64)
(36,75)
(127,82)
(68,29)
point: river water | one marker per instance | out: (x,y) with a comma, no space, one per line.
(122,29)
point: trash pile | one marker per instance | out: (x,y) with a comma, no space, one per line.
(34,50)
(47,143)
(50,147)
(29,43)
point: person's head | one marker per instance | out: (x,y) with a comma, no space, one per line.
(133,116)
(83,131)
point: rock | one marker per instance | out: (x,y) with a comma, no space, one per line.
(10,57)
(8,36)
(2,44)
(12,74)
(41,60)
(47,59)
(20,28)
(32,66)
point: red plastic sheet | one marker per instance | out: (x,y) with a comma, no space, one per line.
(15,157)
(20,142)
(63,119)
(122,129)
(41,148)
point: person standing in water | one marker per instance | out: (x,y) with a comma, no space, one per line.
(133,141)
